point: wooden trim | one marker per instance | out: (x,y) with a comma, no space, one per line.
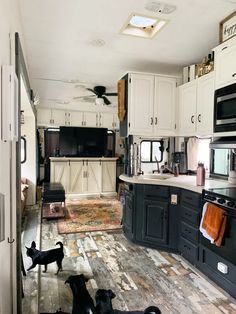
(121,99)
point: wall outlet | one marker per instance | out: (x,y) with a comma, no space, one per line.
(222,268)
(174,199)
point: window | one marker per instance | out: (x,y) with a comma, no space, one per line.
(220,159)
(151,151)
(23,150)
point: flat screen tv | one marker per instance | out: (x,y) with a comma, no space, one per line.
(82,142)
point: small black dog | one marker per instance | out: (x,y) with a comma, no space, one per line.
(104,305)
(82,301)
(45,257)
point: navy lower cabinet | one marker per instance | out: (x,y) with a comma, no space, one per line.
(155,222)
(190,213)
(129,211)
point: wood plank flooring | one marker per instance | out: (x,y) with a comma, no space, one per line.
(138,276)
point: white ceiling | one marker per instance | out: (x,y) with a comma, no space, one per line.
(58,36)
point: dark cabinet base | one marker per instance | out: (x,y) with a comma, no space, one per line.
(208,263)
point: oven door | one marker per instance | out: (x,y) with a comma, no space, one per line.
(227,250)
(225,109)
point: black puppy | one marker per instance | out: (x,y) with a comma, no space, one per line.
(82,301)
(45,257)
(104,305)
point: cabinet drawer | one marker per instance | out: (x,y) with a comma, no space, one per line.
(191,198)
(156,190)
(190,215)
(188,250)
(189,232)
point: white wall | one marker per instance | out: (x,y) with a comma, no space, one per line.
(9,17)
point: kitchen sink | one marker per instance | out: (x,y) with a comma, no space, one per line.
(156,176)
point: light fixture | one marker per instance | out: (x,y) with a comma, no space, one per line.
(99,101)
(143,26)
(160,7)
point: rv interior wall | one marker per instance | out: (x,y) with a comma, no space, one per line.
(10,22)
(28,168)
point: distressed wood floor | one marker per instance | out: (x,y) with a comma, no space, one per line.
(139,276)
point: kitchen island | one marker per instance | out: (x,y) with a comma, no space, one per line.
(164,212)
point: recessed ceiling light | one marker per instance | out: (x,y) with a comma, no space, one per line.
(143,26)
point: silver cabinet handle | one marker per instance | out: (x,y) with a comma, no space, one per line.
(199,118)
(155,120)
(192,118)
(224,48)
(233,75)
(10,241)
(151,120)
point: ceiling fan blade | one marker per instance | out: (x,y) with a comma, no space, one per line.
(111,94)
(106,100)
(91,90)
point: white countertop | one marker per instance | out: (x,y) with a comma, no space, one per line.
(182,181)
(83,158)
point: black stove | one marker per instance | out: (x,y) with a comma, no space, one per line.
(223,197)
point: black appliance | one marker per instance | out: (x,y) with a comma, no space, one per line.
(83,142)
(226,199)
(225,109)
(180,159)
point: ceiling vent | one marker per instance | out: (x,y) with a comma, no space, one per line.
(160,7)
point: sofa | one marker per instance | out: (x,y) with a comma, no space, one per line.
(24,193)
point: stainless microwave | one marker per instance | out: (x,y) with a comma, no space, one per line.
(225,109)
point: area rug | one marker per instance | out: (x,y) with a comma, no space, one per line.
(91,215)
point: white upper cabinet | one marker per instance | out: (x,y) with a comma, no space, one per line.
(225,63)
(205,104)
(196,107)
(90,119)
(141,100)
(151,105)
(74,118)
(108,120)
(187,108)
(164,106)
(51,117)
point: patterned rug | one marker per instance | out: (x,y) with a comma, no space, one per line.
(91,215)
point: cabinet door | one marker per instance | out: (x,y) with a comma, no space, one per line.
(155,222)
(58,117)
(108,176)
(128,212)
(225,65)
(44,116)
(164,105)
(187,108)
(90,119)
(205,104)
(60,173)
(93,177)
(74,118)
(116,121)
(106,120)
(140,102)
(76,177)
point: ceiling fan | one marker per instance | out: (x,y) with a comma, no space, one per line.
(99,93)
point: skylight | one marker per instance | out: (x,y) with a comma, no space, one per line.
(143,26)
(142,21)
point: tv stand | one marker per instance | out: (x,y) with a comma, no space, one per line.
(85,175)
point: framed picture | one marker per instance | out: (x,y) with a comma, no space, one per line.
(228,27)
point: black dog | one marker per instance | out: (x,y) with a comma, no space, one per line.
(45,257)
(82,301)
(104,305)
